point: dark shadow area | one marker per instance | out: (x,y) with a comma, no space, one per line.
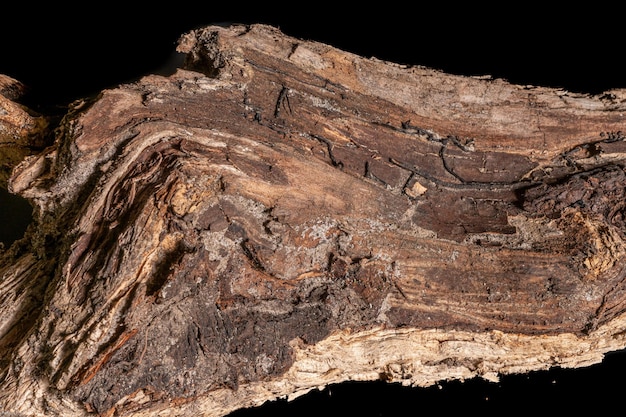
(15,216)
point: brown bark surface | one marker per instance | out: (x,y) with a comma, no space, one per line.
(22,132)
(280,215)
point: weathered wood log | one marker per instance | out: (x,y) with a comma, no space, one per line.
(280,215)
(22,132)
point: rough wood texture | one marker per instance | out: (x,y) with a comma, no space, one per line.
(281,215)
(22,132)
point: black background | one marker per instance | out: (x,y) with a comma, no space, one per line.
(66,52)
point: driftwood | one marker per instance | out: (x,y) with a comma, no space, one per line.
(280,215)
(22,132)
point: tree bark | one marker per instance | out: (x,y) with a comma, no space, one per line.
(22,131)
(281,215)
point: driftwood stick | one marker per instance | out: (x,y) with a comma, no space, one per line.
(280,215)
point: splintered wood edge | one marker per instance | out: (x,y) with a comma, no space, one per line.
(415,357)
(411,357)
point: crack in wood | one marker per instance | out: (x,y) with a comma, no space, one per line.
(283,102)
(329,147)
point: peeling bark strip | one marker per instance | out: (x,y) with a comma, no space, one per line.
(281,215)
